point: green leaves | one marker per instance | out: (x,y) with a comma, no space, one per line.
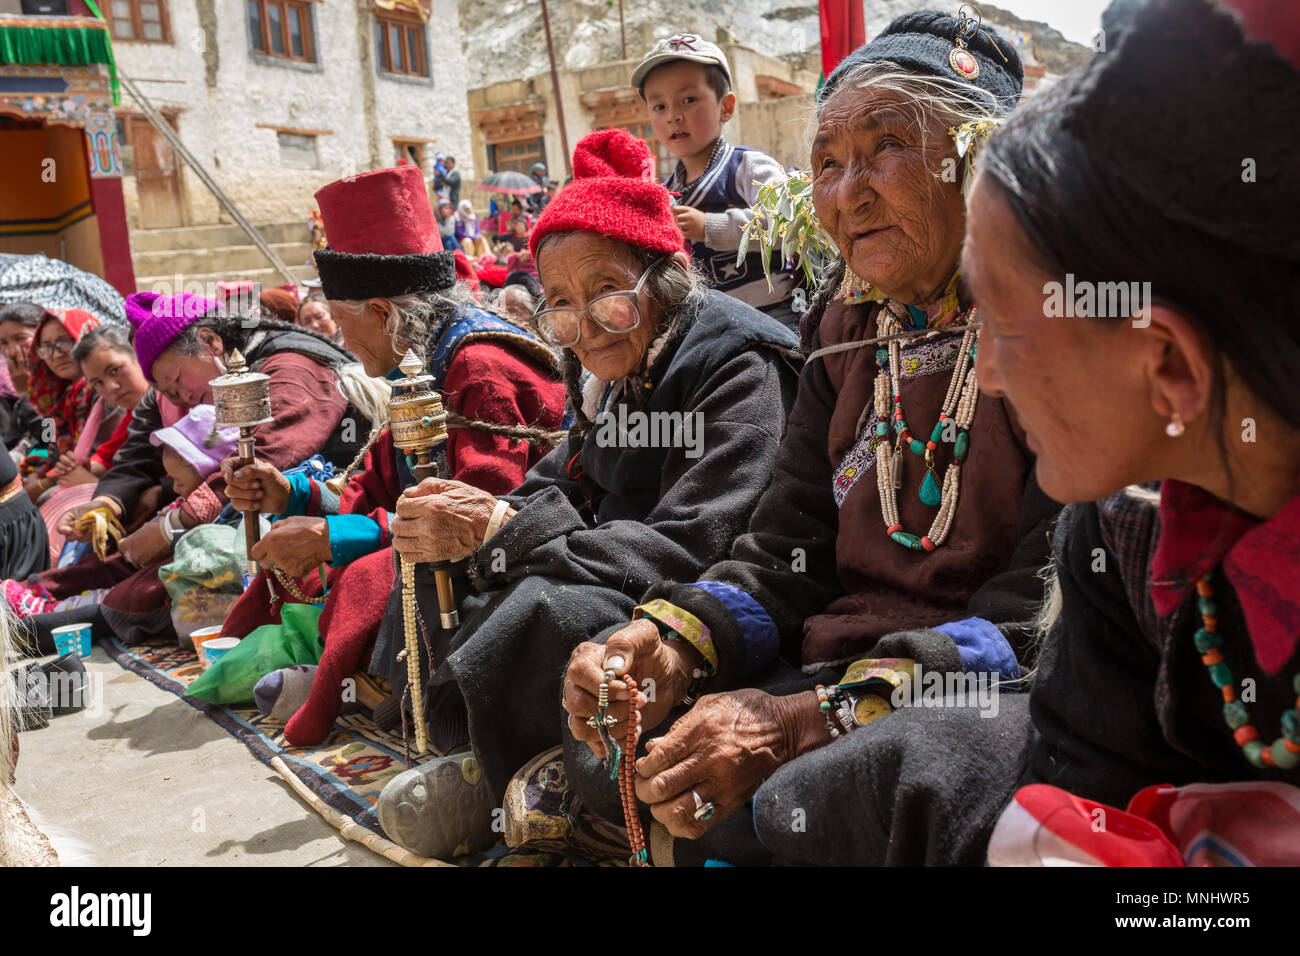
(785,222)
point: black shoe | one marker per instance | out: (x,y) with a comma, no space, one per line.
(67,684)
(33,689)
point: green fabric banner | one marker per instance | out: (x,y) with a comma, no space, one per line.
(78,46)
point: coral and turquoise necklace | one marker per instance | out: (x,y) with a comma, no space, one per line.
(1284,753)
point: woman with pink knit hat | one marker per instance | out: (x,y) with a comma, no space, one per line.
(182,342)
(679,396)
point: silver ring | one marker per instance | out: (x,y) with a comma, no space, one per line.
(704,809)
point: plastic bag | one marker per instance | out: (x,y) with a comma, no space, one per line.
(295,640)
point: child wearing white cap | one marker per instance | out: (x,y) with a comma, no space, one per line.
(685,83)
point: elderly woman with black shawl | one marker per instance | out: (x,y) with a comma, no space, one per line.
(674,436)
(1164,706)
(902,521)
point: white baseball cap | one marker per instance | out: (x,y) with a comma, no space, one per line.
(681,46)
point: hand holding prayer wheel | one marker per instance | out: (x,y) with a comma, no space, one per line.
(442,520)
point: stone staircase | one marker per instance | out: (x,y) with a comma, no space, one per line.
(221,253)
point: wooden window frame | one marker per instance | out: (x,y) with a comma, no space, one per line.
(264,26)
(137,23)
(409,25)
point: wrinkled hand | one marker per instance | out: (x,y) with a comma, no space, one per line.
(255,487)
(691,222)
(646,657)
(295,545)
(441,520)
(145,545)
(723,748)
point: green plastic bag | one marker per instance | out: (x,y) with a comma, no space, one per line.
(295,640)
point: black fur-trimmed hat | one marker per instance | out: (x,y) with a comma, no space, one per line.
(383,240)
(925,40)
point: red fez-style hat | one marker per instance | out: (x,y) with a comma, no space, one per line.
(383,239)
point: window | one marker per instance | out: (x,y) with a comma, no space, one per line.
(519,155)
(298,150)
(282,28)
(399,45)
(411,150)
(143,20)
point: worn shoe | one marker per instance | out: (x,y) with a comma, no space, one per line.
(66,682)
(440,809)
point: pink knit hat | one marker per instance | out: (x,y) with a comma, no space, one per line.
(158,319)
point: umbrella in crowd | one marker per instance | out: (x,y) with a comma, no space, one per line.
(54,284)
(509,181)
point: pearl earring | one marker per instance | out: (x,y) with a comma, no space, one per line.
(1175,428)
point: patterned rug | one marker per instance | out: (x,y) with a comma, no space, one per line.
(346,772)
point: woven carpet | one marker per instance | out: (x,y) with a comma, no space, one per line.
(346,772)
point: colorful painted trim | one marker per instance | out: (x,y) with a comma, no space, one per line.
(690,627)
(762,642)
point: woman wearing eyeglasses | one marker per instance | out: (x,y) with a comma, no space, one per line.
(679,398)
(59,394)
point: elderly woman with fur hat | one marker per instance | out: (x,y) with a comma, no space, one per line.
(676,424)
(391,288)
(902,522)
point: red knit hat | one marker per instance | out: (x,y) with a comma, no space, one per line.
(613,193)
(382,236)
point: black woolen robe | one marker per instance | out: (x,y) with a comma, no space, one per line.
(562,571)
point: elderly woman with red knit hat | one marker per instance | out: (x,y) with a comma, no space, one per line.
(391,288)
(679,395)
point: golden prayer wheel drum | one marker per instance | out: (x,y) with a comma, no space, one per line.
(415,414)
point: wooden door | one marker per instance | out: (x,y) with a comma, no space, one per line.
(157,175)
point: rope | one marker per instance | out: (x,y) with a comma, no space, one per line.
(521,432)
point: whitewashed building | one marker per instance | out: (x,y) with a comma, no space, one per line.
(278,97)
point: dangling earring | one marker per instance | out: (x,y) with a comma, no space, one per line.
(1175,428)
(853,289)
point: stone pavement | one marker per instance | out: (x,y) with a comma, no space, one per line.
(144,779)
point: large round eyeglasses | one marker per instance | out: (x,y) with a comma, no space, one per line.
(612,311)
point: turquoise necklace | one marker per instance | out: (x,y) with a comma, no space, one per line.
(1285,751)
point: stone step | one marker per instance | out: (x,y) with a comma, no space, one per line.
(229,258)
(208,237)
(206,282)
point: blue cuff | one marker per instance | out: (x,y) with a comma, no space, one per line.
(762,643)
(352,537)
(299,495)
(983,648)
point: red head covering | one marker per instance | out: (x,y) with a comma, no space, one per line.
(614,193)
(66,403)
(385,213)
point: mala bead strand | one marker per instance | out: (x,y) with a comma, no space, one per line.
(286,582)
(412,652)
(1284,752)
(627,781)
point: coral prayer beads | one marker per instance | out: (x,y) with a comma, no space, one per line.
(626,757)
(1284,753)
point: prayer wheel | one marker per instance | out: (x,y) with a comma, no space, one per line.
(243,400)
(418,424)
